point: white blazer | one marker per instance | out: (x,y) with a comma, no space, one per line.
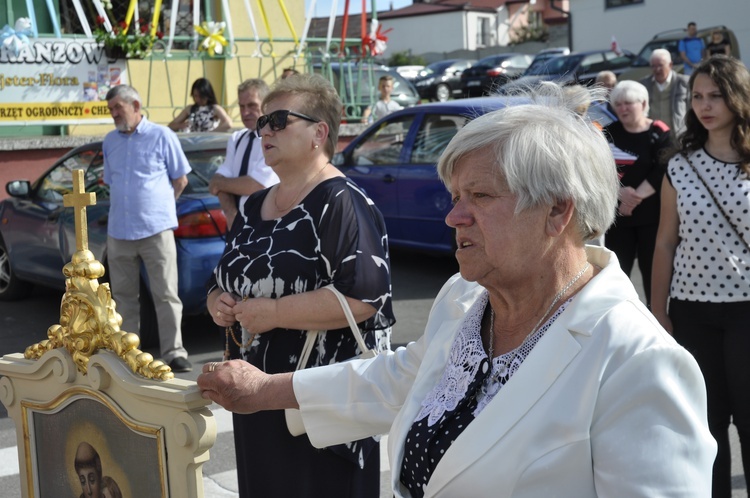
(606,404)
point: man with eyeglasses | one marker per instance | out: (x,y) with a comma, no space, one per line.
(667,92)
(244,170)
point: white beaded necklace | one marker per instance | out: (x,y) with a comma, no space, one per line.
(492,377)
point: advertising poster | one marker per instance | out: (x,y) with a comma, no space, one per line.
(57,82)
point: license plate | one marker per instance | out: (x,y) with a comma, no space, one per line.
(473,83)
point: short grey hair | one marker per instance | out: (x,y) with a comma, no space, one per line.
(257,84)
(126,92)
(629,91)
(606,76)
(545,152)
(661,54)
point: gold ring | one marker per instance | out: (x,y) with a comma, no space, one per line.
(212,366)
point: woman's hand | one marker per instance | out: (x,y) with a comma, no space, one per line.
(180,122)
(257,315)
(221,306)
(313,310)
(664,320)
(241,388)
(629,200)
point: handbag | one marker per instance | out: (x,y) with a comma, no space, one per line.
(292,415)
(717,203)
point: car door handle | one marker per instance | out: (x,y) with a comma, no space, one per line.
(389,178)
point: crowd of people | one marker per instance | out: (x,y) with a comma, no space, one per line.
(540,347)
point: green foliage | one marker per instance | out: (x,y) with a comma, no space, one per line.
(406,59)
(529,33)
(132,41)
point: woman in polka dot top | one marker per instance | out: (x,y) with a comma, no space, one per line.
(702,260)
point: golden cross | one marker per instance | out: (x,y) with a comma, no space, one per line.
(79,199)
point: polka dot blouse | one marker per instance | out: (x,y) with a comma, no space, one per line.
(711,263)
(466,388)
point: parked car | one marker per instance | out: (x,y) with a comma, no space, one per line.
(409,72)
(492,72)
(640,67)
(394,162)
(579,67)
(37,233)
(441,80)
(357,85)
(546,54)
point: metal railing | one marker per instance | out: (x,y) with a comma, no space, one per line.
(352,76)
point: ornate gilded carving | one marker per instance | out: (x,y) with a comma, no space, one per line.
(88,319)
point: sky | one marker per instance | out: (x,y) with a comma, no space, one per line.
(323,7)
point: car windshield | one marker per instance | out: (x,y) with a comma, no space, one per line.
(204,164)
(435,68)
(556,65)
(493,60)
(59,181)
(644,56)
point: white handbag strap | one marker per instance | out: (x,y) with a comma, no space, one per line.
(313,334)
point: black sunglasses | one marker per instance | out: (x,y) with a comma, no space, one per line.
(277,119)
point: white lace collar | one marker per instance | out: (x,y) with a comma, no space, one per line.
(464,360)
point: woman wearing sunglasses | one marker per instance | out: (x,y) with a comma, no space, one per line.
(312,229)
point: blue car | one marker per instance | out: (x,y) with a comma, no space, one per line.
(395,159)
(37,234)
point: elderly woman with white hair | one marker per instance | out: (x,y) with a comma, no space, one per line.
(645,140)
(540,373)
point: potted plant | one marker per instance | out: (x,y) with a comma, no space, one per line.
(125,42)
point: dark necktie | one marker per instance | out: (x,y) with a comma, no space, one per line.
(246,159)
(245,162)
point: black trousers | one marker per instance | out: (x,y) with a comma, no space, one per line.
(718,336)
(630,242)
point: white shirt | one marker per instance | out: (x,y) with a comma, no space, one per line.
(662,86)
(257,169)
(382,108)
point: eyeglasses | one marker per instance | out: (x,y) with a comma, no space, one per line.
(277,119)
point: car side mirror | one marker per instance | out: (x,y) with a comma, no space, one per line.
(18,188)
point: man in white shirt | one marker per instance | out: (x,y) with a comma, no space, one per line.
(244,170)
(667,92)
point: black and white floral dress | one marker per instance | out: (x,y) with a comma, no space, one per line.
(202,118)
(335,235)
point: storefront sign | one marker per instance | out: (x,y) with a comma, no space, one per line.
(57,82)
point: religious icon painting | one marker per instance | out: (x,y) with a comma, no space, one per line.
(82,444)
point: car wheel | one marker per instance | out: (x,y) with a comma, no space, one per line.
(442,92)
(11,287)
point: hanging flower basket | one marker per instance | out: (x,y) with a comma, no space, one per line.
(114,53)
(125,42)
